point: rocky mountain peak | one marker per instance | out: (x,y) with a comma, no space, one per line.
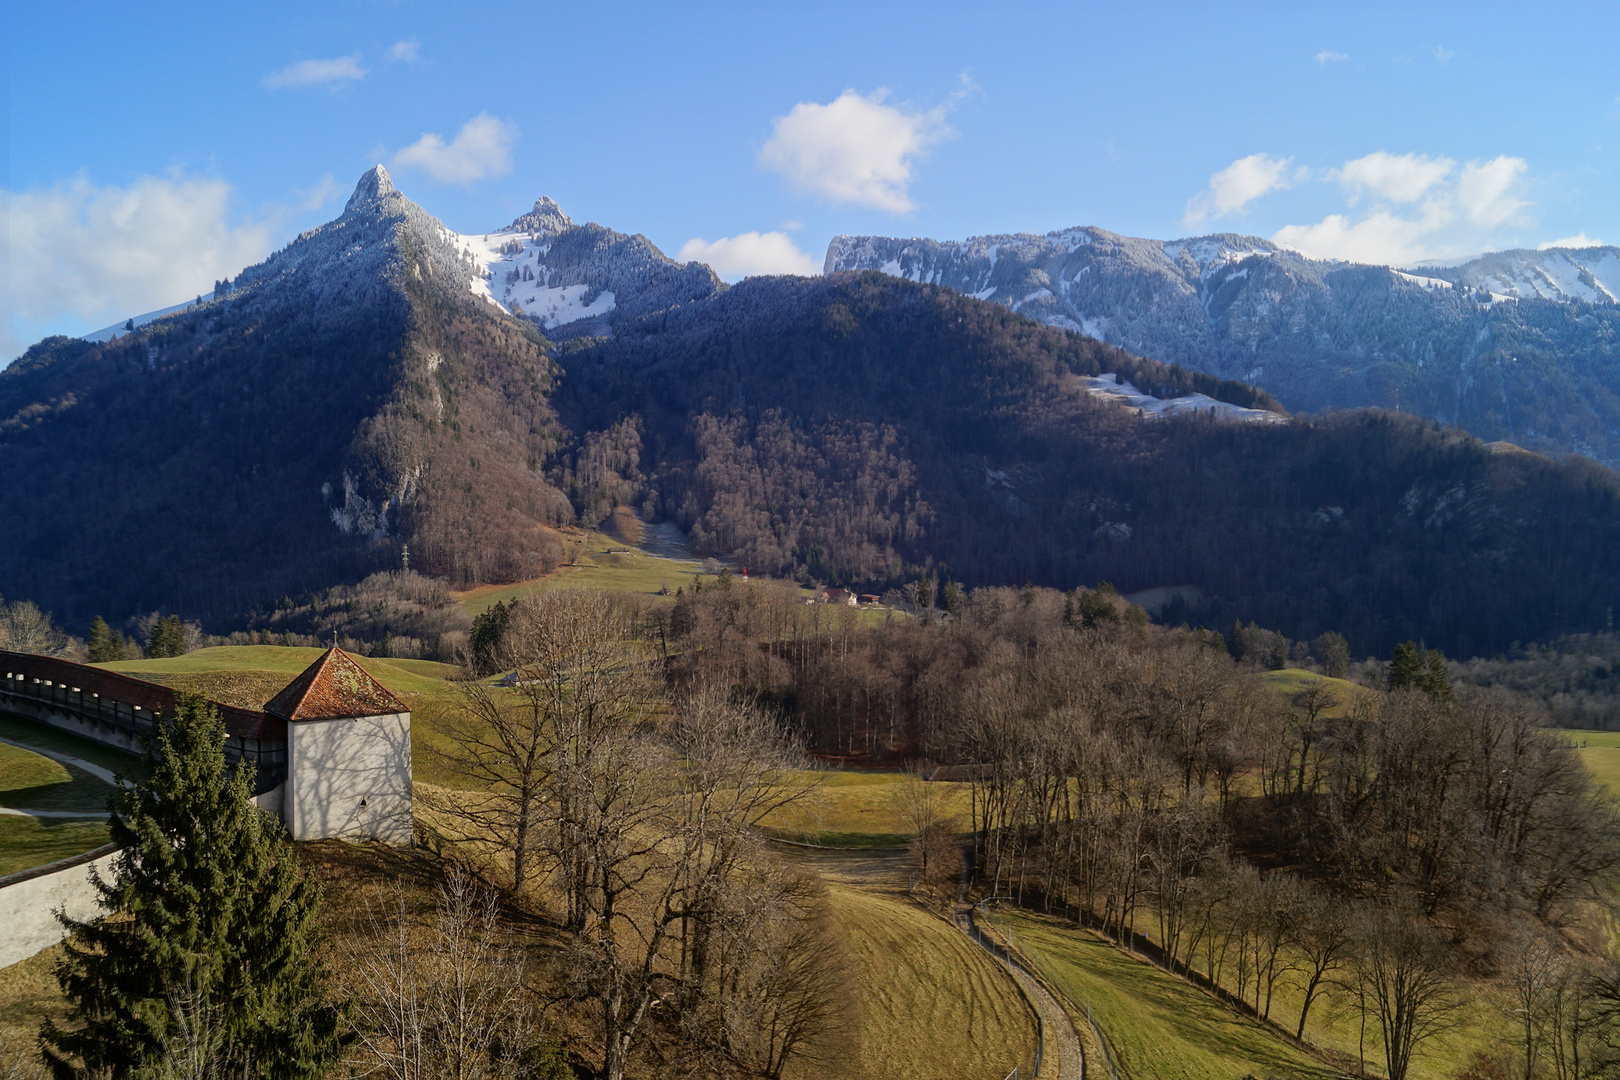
(546,219)
(372,187)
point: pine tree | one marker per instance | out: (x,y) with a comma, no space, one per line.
(167,637)
(1437,682)
(1408,670)
(205,964)
(104,645)
(1414,667)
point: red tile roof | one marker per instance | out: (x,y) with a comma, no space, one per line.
(331,688)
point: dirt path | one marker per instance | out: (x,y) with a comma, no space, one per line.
(94,770)
(79,763)
(1063,1057)
(885,871)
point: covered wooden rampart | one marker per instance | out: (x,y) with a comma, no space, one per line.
(117,710)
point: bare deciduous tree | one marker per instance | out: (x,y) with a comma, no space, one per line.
(1402,970)
(441,996)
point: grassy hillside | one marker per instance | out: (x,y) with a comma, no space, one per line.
(1291,681)
(27,842)
(1600,753)
(599,562)
(932,1005)
(602,562)
(28,994)
(1160,1027)
(863,809)
(35,782)
(1157,1027)
(400,676)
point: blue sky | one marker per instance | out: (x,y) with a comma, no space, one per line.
(148,155)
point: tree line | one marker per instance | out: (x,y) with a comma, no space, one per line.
(1383,846)
(859,430)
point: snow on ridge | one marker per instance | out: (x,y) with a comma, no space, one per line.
(1111,387)
(116,330)
(1426,282)
(509,271)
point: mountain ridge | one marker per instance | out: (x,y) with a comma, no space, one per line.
(1540,367)
(332,404)
(364,389)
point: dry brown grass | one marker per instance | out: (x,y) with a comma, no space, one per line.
(28,994)
(932,1004)
(854,808)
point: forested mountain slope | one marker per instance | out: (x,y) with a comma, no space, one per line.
(346,396)
(859,426)
(372,386)
(1519,345)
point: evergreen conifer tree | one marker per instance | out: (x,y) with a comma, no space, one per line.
(1436,680)
(167,637)
(205,964)
(103,645)
(1407,667)
(1413,667)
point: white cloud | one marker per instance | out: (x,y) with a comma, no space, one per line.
(1400,178)
(1443,55)
(90,255)
(483,147)
(1327,56)
(1579,240)
(1455,214)
(407,51)
(1237,185)
(1382,237)
(338,70)
(318,196)
(749,253)
(854,150)
(1484,190)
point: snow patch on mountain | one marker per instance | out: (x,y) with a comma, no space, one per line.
(1426,282)
(117,330)
(1591,275)
(511,272)
(1111,387)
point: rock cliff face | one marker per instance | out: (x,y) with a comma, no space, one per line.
(1521,346)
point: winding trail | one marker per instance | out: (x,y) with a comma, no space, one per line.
(66,759)
(79,763)
(1064,1056)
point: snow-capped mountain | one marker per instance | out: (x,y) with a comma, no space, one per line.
(1518,345)
(368,387)
(569,279)
(575,278)
(1589,275)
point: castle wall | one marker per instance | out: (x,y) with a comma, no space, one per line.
(29,901)
(350,779)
